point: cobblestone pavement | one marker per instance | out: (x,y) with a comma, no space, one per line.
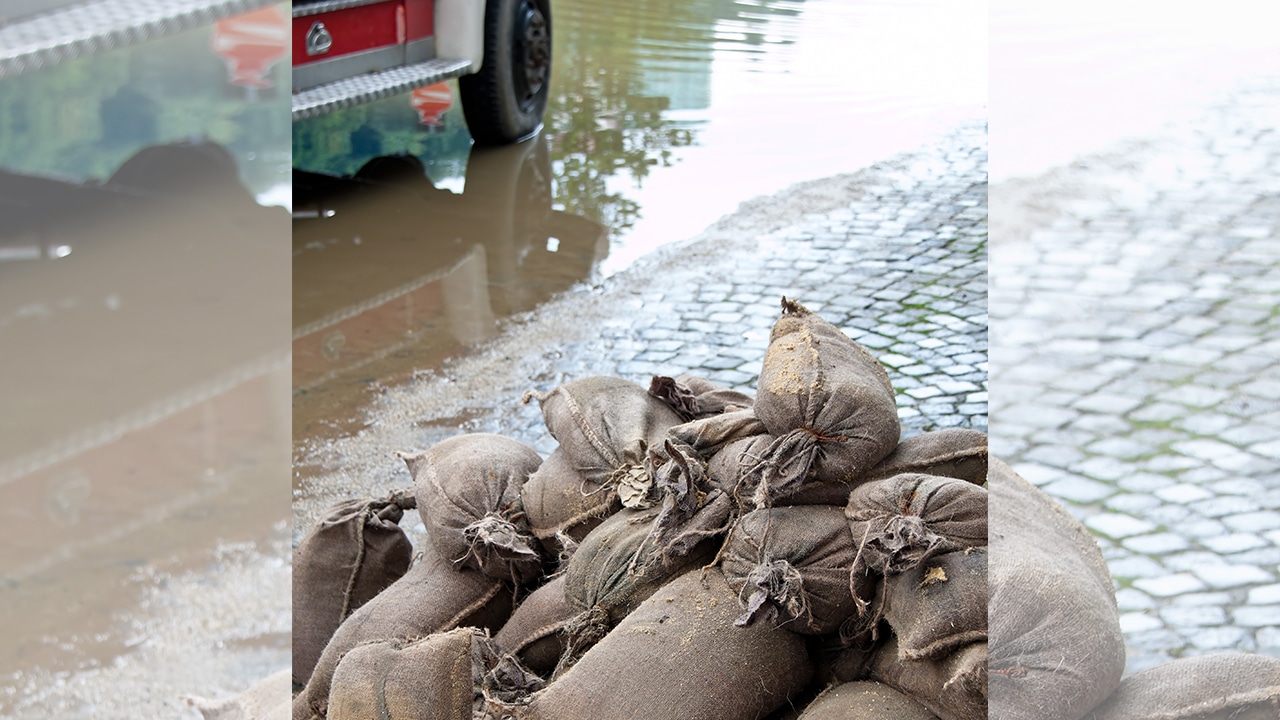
(1136,364)
(894,255)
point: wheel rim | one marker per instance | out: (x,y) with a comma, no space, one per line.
(532,61)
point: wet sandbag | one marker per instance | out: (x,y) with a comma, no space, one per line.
(679,656)
(864,700)
(354,552)
(616,568)
(950,452)
(604,425)
(904,520)
(953,687)
(827,401)
(468,491)
(444,676)
(427,679)
(1205,687)
(790,567)
(434,596)
(940,605)
(694,397)
(536,634)
(561,506)
(1056,646)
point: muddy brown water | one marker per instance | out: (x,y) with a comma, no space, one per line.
(143,340)
(663,117)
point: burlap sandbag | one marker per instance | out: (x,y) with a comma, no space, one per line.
(680,657)
(826,400)
(616,568)
(899,522)
(951,452)
(1207,687)
(468,491)
(694,397)
(790,567)
(1056,646)
(446,676)
(354,552)
(604,425)
(433,596)
(561,506)
(939,605)
(536,634)
(864,700)
(953,687)
(427,679)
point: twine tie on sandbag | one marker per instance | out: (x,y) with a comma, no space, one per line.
(777,584)
(680,398)
(500,676)
(582,631)
(495,533)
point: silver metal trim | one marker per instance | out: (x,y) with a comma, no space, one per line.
(420,50)
(330,6)
(346,66)
(46,40)
(374,86)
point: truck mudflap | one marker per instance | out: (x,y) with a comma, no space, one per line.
(42,40)
(373,86)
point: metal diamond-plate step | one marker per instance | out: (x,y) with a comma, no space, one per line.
(373,86)
(45,40)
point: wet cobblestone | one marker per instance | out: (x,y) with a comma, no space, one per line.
(895,255)
(1136,370)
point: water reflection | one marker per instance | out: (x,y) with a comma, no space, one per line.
(392,274)
(142,336)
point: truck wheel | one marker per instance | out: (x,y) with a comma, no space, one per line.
(504,102)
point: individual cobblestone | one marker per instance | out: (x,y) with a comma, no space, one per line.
(1136,369)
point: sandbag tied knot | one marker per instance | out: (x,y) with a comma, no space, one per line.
(784,466)
(901,543)
(582,631)
(777,589)
(500,676)
(680,398)
(494,537)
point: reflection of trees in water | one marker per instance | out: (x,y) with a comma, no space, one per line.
(605,117)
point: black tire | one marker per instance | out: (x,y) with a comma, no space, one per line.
(504,102)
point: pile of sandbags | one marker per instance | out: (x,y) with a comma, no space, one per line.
(687,551)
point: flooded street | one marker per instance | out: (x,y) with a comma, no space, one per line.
(664,117)
(143,311)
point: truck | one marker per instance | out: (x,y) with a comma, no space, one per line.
(348,52)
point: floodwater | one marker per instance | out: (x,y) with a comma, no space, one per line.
(1071,79)
(664,116)
(143,320)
